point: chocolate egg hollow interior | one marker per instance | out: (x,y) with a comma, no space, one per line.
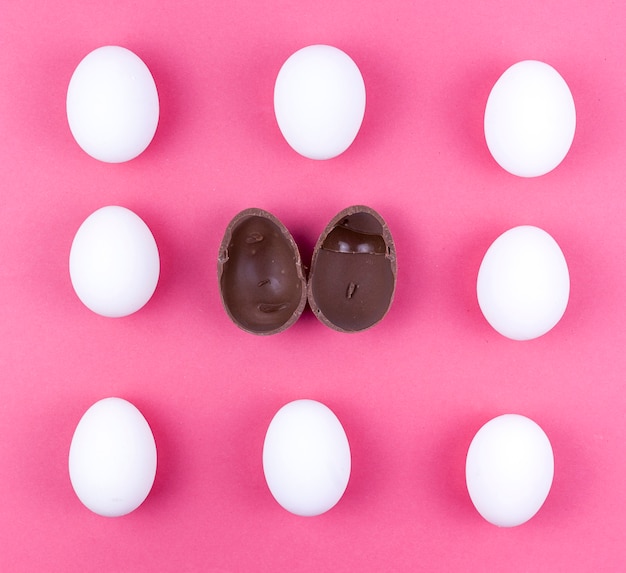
(353,272)
(260,274)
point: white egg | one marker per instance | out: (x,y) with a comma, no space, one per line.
(306,458)
(509,470)
(113,458)
(112,104)
(319,101)
(114,262)
(523,283)
(530,119)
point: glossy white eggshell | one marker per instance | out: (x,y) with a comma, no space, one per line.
(530,119)
(112,458)
(523,283)
(112,104)
(114,262)
(509,470)
(319,101)
(306,458)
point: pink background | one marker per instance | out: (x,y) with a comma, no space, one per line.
(412,391)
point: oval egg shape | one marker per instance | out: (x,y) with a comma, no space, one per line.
(319,101)
(112,458)
(353,271)
(509,470)
(306,458)
(523,283)
(112,104)
(114,262)
(260,275)
(530,119)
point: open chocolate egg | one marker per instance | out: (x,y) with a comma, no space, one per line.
(261,280)
(353,271)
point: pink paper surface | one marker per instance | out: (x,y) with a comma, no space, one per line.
(410,392)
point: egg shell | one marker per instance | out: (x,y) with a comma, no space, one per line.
(530,119)
(112,458)
(114,262)
(523,283)
(509,470)
(352,280)
(319,101)
(306,458)
(260,274)
(112,104)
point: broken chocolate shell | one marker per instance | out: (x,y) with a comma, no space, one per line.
(353,271)
(260,274)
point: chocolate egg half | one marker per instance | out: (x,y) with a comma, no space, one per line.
(353,271)
(260,273)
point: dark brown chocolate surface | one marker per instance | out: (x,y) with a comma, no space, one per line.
(260,275)
(353,271)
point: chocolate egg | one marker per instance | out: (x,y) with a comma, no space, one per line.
(353,271)
(260,273)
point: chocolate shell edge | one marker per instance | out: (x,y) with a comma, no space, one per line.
(260,274)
